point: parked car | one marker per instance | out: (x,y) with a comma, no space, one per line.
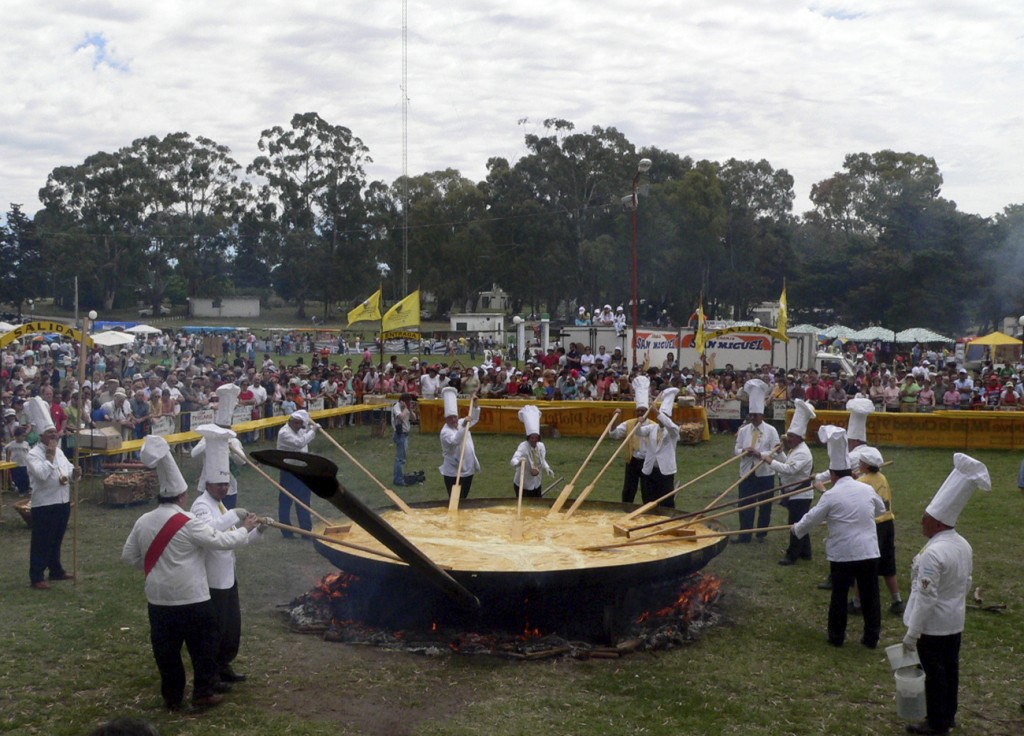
(148,311)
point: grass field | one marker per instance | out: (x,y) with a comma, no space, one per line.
(78,654)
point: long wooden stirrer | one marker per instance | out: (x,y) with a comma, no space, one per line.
(727,533)
(625,443)
(332,540)
(704,519)
(517,523)
(623,531)
(743,477)
(567,491)
(651,504)
(453,500)
(245,458)
(387,491)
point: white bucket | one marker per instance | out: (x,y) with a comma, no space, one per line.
(910,701)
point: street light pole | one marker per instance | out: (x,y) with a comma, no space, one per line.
(643,166)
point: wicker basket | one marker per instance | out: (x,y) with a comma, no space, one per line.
(24,507)
(691,433)
(125,487)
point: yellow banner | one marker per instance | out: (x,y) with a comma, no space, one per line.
(368,310)
(404,314)
(783,321)
(749,330)
(956,430)
(401,335)
(700,340)
(40,328)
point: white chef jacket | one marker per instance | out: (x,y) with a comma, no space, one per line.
(289,439)
(636,447)
(451,447)
(44,476)
(849,507)
(220,563)
(795,467)
(940,578)
(767,440)
(659,440)
(179,576)
(535,457)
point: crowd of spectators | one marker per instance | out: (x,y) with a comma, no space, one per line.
(169,376)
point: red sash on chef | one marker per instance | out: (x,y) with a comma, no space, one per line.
(163,538)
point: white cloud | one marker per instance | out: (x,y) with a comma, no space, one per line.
(801,84)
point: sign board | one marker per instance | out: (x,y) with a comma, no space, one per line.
(162,425)
(202,416)
(723,409)
(315,404)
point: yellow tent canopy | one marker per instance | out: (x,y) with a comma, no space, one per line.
(995,339)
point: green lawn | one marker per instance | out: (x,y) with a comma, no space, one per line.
(75,655)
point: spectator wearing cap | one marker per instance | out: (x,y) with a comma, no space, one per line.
(430,384)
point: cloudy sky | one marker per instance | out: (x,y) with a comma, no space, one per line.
(798,83)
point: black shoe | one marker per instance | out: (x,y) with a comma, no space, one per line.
(896,608)
(397,484)
(229,675)
(787,561)
(221,687)
(869,644)
(740,540)
(825,584)
(835,642)
(208,701)
(924,728)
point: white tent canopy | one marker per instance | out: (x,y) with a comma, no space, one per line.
(840,331)
(144,330)
(6,326)
(920,334)
(874,333)
(113,339)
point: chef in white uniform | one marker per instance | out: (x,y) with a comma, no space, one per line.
(533,452)
(793,466)
(452,434)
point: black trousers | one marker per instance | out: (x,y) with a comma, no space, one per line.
(656,485)
(467,483)
(633,479)
(940,660)
(755,488)
(195,626)
(229,624)
(49,523)
(798,548)
(865,573)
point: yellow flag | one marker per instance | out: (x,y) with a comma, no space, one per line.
(369,309)
(783,322)
(699,340)
(405,313)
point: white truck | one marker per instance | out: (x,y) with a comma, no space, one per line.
(741,350)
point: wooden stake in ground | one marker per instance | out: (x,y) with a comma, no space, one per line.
(82,350)
(625,443)
(651,504)
(567,491)
(387,491)
(453,500)
(245,458)
(517,523)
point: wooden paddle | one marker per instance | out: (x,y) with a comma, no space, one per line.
(330,540)
(625,443)
(517,523)
(705,519)
(567,491)
(743,477)
(651,504)
(387,491)
(635,542)
(453,500)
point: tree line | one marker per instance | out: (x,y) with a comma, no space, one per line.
(178,216)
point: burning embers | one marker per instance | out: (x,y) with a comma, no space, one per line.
(328,608)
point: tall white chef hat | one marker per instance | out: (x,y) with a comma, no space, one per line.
(216,458)
(954,493)
(835,438)
(756,390)
(530,417)
(803,413)
(450,396)
(857,427)
(38,412)
(303,416)
(668,400)
(156,453)
(642,392)
(227,400)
